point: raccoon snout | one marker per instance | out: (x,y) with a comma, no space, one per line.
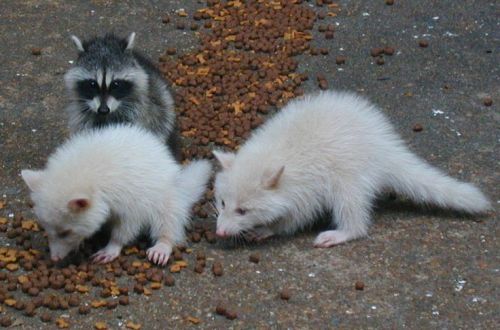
(103,109)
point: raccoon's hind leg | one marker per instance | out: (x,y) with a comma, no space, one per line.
(351,213)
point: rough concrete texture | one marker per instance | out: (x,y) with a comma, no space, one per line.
(421,269)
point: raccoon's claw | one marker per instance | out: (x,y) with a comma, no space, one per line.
(330,238)
(159,253)
(109,253)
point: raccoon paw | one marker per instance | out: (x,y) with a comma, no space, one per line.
(330,238)
(159,253)
(109,253)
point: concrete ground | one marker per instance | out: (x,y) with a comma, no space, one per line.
(421,269)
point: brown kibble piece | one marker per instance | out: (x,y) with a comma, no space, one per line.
(123,300)
(138,288)
(34,291)
(195,237)
(6,321)
(376,52)
(285,294)
(165,19)
(418,128)
(359,285)
(112,304)
(389,51)
(169,280)
(254,257)
(423,43)
(340,60)
(217,268)
(84,309)
(36,51)
(171,51)
(329,34)
(200,255)
(380,61)
(231,315)
(488,101)
(46,317)
(220,309)
(180,26)
(323,84)
(389,2)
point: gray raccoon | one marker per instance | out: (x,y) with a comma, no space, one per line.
(112,83)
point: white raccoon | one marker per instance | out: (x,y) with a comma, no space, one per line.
(333,151)
(123,173)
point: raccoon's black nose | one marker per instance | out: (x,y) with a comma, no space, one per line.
(103,109)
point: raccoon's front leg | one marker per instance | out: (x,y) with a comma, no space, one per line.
(351,212)
(160,252)
(120,236)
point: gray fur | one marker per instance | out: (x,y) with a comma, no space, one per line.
(149,103)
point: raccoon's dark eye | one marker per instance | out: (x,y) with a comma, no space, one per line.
(87,88)
(64,233)
(120,88)
(241,211)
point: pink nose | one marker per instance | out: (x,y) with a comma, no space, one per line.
(221,233)
(55,258)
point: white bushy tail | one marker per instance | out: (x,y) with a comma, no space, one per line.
(193,180)
(413,177)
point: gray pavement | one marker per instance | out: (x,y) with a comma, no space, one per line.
(421,268)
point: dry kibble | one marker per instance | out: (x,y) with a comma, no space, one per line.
(180,26)
(123,300)
(418,128)
(84,309)
(380,61)
(488,101)
(220,309)
(112,304)
(389,2)
(36,51)
(340,60)
(169,280)
(376,52)
(46,317)
(254,257)
(329,35)
(165,19)
(231,315)
(139,288)
(423,43)
(389,51)
(285,294)
(6,321)
(359,285)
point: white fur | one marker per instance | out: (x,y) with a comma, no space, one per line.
(94,104)
(127,175)
(338,152)
(78,43)
(112,103)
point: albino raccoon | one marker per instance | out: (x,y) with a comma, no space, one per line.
(333,151)
(112,83)
(123,173)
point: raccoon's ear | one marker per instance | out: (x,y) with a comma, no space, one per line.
(32,178)
(271,179)
(130,41)
(80,204)
(226,159)
(78,43)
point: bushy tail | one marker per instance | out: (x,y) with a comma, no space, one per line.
(193,180)
(413,177)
